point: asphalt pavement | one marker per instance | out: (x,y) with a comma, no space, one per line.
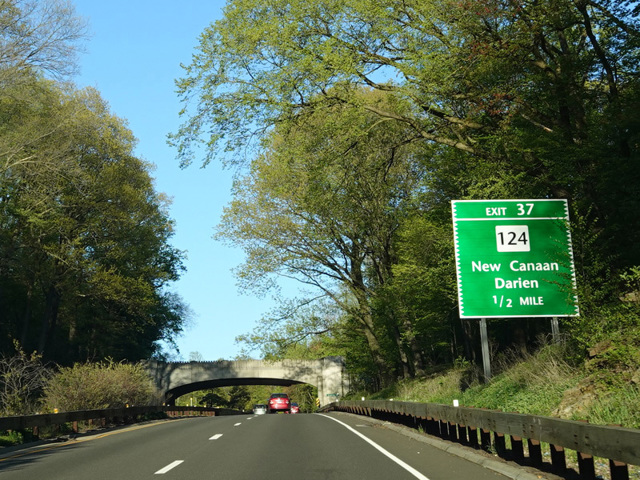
(279,446)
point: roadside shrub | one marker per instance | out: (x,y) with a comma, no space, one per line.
(9,439)
(106,384)
(22,378)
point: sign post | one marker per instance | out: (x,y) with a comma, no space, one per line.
(514,259)
(484,342)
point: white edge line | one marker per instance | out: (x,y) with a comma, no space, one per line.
(407,467)
(172,465)
(216,436)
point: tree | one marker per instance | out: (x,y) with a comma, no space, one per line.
(322,206)
(507,100)
(239,398)
(534,99)
(85,253)
(38,36)
(421,294)
(298,329)
(213,399)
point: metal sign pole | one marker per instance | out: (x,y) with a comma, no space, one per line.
(484,340)
(555,330)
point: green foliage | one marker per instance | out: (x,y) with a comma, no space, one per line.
(84,255)
(512,395)
(421,292)
(9,439)
(532,384)
(86,259)
(612,328)
(305,396)
(211,399)
(369,117)
(295,329)
(106,384)
(324,212)
(237,397)
(441,387)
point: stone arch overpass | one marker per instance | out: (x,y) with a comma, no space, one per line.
(174,379)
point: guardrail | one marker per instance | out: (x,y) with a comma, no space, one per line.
(101,417)
(489,429)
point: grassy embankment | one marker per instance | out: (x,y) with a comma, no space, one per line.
(603,389)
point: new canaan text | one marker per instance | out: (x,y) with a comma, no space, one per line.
(515,266)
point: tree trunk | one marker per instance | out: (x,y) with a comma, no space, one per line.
(49,319)
(416,353)
(26,320)
(359,290)
(374,345)
(469,333)
(404,360)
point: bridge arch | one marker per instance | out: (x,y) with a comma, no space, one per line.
(174,379)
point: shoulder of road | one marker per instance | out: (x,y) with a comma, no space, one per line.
(504,467)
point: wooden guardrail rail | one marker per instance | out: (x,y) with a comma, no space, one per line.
(103,416)
(487,429)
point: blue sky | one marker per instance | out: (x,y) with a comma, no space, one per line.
(132,58)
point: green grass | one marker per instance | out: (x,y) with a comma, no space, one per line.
(618,407)
(9,439)
(542,384)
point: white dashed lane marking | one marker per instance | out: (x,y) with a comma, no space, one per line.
(171,466)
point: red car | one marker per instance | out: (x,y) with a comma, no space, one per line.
(279,402)
(295,408)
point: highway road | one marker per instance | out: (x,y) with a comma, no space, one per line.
(303,446)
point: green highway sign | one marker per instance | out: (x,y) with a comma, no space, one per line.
(514,258)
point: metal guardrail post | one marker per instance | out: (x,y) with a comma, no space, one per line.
(517,448)
(462,435)
(586,466)
(500,443)
(485,439)
(558,459)
(472,433)
(535,452)
(619,470)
